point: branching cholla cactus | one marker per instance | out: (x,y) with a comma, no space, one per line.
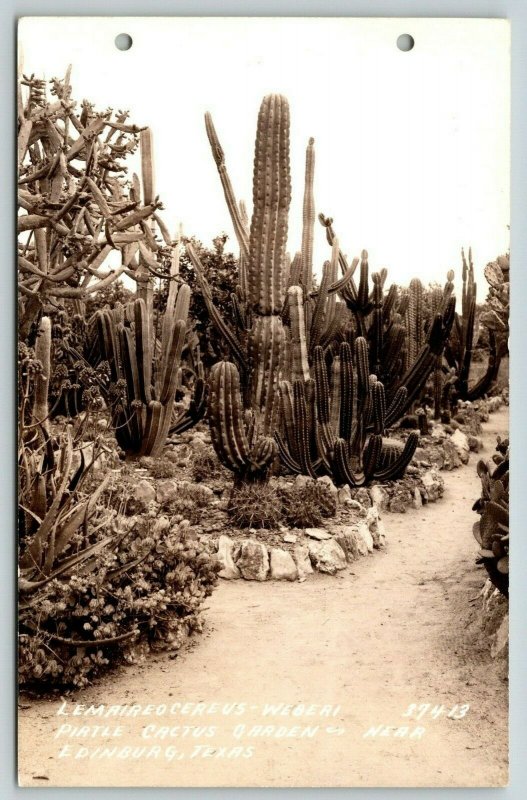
(82,224)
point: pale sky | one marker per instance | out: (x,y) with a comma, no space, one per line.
(412,149)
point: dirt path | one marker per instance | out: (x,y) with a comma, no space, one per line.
(392,630)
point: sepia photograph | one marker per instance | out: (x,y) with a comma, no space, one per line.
(263,402)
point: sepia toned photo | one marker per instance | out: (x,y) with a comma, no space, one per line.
(263,402)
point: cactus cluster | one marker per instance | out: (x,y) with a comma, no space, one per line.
(317,373)
(460,347)
(286,325)
(151,371)
(335,423)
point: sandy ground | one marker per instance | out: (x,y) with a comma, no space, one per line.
(396,628)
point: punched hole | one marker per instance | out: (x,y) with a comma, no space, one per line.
(405,42)
(123,41)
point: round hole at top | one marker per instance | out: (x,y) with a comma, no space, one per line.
(405,42)
(123,41)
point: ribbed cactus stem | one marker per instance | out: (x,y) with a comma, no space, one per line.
(308,218)
(231,435)
(43,354)
(237,212)
(271,200)
(147,165)
(299,359)
(266,349)
(226,416)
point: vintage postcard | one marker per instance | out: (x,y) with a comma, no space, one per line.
(263,431)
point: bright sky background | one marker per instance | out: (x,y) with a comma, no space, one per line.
(412,149)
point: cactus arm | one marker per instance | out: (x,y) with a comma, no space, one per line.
(318,319)
(295,270)
(302,431)
(336,398)
(362,400)
(346,392)
(325,436)
(224,329)
(154,422)
(237,213)
(351,289)
(170,364)
(491,373)
(388,303)
(285,455)
(397,406)
(376,332)
(129,424)
(147,165)
(379,408)
(286,404)
(398,467)
(342,468)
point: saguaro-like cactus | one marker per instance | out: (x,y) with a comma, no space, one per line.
(261,350)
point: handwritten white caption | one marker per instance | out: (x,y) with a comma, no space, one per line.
(80,727)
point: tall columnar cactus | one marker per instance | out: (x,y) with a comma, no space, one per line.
(271,201)
(414,320)
(150,370)
(336,426)
(261,347)
(271,338)
(308,219)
